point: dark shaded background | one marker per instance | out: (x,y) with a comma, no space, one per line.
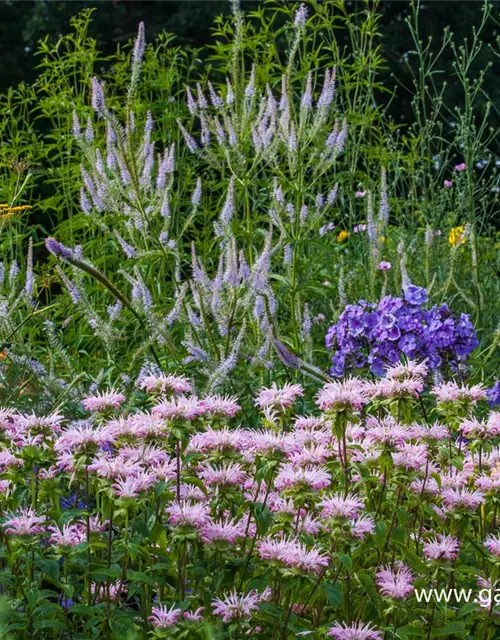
(24,22)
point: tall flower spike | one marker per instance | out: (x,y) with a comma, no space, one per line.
(383,211)
(228,208)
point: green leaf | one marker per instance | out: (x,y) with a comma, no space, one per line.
(141,577)
(345,560)
(452,629)
(334,594)
(50,568)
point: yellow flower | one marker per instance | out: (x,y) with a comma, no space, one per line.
(457,236)
(343,235)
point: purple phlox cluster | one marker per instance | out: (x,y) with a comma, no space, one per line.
(377,335)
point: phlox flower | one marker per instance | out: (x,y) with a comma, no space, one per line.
(25,523)
(356,631)
(69,536)
(163,383)
(188,514)
(291,475)
(279,398)
(221,406)
(292,553)
(348,395)
(442,547)
(492,543)
(340,506)
(236,606)
(103,401)
(461,498)
(180,408)
(395,582)
(163,618)
(231,474)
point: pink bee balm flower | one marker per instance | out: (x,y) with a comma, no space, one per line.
(236,606)
(5,486)
(395,583)
(194,616)
(187,514)
(347,395)
(163,383)
(224,439)
(279,398)
(180,408)
(308,422)
(69,536)
(460,167)
(291,475)
(101,590)
(221,406)
(384,266)
(356,631)
(442,547)
(338,506)
(7,459)
(80,438)
(33,424)
(362,527)
(392,388)
(103,401)
(163,618)
(411,369)
(223,531)
(25,523)
(461,499)
(411,456)
(133,486)
(452,392)
(448,183)
(492,543)
(231,474)
(292,554)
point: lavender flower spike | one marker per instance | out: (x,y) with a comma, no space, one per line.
(58,250)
